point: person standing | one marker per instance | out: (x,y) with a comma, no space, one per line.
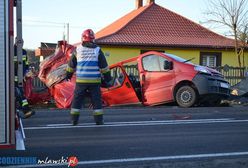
(90,64)
(21,101)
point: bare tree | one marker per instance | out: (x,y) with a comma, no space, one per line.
(243,37)
(232,14)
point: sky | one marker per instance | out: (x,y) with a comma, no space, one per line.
(47,20)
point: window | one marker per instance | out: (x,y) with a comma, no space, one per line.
(210,59)
(153,63)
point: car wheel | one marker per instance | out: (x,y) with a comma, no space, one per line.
(186,96)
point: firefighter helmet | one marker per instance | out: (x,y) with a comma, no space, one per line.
(88,35)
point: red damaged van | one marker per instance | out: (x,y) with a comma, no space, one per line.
(156,78)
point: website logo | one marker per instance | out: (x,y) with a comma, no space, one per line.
(18,160)
(72,161)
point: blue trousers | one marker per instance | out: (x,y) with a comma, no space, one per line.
(21,101)
(82,90)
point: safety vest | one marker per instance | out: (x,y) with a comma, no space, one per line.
(87,70)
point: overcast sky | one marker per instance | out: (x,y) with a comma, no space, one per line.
(45,20)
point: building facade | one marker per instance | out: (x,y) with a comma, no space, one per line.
(152,27)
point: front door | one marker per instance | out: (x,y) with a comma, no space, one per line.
(121,91)
(156,81)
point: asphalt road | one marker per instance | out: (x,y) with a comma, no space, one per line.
(140,137)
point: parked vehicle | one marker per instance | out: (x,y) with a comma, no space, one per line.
(158,78)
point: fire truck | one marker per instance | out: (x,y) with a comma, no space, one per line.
(7,109)
(11,130)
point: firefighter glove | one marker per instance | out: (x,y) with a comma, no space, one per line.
(68,76)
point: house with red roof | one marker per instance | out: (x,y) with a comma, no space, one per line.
(153,27)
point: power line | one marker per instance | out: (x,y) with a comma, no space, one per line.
(50,26)
(39,21)
(58,24)
(55,26)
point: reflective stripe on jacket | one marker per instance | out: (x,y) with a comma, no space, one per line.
(87,70)
(25,65)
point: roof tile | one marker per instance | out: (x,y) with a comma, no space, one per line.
(154,25)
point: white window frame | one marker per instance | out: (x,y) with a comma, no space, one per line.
(208,57)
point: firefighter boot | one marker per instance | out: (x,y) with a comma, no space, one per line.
(74,119)
(29,114)
(27,111)
(98,119)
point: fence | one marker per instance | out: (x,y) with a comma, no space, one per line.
(37,83)
(233,74)
(132,69)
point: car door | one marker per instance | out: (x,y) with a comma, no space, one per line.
(121,91)
(156,81)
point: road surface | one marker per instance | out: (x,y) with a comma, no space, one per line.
(163,136)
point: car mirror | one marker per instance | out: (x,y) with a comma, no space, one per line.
(168,65)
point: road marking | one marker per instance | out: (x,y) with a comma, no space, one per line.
(126,160)
(164,158)
(138,123)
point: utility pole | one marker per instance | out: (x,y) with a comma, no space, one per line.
(67,32)
(67,25)
(19,41)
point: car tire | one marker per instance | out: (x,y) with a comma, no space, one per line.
(186,96)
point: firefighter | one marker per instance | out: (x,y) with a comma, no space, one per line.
(21,101)
(90,64)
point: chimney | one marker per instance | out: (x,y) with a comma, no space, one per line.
(148,2)
(138,3)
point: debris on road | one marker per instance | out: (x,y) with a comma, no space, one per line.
(182,117)
(241,88)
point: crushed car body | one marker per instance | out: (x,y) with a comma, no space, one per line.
(149,79)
